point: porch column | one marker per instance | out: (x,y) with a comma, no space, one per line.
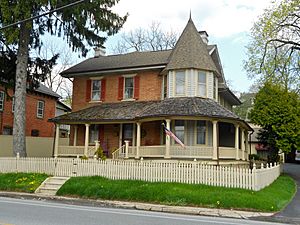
(168,140)
(215,142)
(138,139)
(75,135)
(56,141)
(126,149)
(247,145)
(237,142)
(243,144)
(86,142)
(120,135)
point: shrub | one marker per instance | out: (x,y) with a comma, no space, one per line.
(100,154)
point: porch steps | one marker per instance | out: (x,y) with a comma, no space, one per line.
(51,185)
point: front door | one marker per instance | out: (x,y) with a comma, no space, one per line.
(127,133)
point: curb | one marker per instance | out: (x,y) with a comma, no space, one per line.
(239,214)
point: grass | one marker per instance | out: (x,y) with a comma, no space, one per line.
(21,182)
(272,198)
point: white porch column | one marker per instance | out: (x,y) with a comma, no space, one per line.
(237,142)
(56,140)
(138,140)
(168,140)
(247,145)
(86,142)
(243,144)
(215,142)
(126,149)
(120,135)
(75,135)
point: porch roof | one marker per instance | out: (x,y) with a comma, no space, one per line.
(137,110)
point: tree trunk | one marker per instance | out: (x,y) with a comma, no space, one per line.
(19,141)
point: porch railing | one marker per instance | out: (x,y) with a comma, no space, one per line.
(75,150)
(152,151)
(227,153)
(191,151)
(119,153)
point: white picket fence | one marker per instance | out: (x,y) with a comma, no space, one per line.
(153,171)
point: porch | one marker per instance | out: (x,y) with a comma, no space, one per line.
(204,138)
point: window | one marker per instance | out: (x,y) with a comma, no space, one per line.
(202,83)
(35,133)
(94,133)
(201,132)
(215,84)
(180,82)
(7,130)
(40,109)
(128,87)
(1,100)
(96,90)
(128,133)
(179,129)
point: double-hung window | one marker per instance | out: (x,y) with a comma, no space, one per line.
(128,87)
(201,132)
(40,109)
(96,90)
(180,82)
(202,84)
(179,129)
(94,133)
(1,100)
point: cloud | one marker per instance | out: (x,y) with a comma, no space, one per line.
(221,18)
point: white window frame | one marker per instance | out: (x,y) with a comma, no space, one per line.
(131,76)
(94,133)
(2,96)
(202,84)
(184,85)
(100,89)
(196,133)
(38,115)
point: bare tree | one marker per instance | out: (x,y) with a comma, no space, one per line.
(153,38)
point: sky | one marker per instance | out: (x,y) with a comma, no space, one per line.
(227,22)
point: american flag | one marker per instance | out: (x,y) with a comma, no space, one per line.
(172,135)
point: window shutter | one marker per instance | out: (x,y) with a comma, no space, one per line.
(121,85)
(136,87)
(103,89)
(88,90)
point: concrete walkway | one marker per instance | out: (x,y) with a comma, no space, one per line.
(142,206)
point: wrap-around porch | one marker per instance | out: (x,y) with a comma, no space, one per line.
(204,138)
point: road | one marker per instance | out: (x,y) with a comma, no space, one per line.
(34,212)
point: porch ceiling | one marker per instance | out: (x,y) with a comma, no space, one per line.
(140,110)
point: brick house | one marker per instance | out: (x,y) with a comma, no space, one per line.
(40,106)
(127,97)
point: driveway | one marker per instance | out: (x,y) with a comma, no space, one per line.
(292,212)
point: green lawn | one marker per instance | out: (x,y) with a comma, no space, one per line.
(21,182)
(272,198)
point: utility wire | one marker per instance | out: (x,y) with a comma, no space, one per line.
(43,14)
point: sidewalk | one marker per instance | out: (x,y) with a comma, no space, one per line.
(141,206)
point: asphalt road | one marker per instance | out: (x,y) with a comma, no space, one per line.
(292,211)
(33,212)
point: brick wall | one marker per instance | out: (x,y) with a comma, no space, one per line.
(150,89)
(46,129)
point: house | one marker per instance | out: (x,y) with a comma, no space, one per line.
(127,97)
(40,106)
(61,109)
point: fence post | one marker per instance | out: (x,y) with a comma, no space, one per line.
(254,174)
(126,149)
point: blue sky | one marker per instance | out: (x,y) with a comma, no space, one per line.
(227,22)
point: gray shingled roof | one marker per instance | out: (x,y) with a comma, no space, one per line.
(120,111)
(47,91)
(122,61)
(191,52)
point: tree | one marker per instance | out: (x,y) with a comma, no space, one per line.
(80,26)
(274,49)
(244,109)
(151,39)
(277,111)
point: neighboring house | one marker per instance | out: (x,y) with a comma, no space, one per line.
(129,96)
(40,106)
(61,109)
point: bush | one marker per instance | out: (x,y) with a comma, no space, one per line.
(254,157)
(100,154)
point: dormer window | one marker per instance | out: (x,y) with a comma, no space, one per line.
(202,84)
(180,83)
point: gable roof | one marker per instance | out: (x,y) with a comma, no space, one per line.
(191,52)
(47,91)
(106,64)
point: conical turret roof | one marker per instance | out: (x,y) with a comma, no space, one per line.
(190,52)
